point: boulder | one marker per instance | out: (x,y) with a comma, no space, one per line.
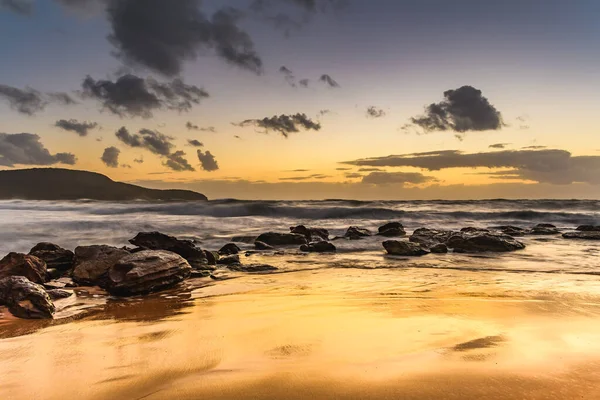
(228,260)
(586,235)
(588,228)
(510,230)
(392,229)
(159,241)
(147,271)
(228,249)
(483,242)
(544,229)
(355,233)
(281,239)
(430,237)
(262,246)
(54,256)
(211,258)
(402,248)
(57,294)
(244,239)
(93,262)
(60,283)
(17,264)
(252,268)
(439,248)
(25,299)
(311,234)
(472,229)
(318,247)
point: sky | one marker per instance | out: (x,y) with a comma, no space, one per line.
(308,99)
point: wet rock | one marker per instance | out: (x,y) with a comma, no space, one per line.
(253,268)
(439,248)
(228,249)
(392,229)
(54,256)
(430,237)
(93,262)
(355,233)
(159,241)
(510,230)
(262,246)
(57,294)
(471,229)
(53,273)
(147,271)
(402,248)
(228,260)
(244,239)
(281,239)
(544,229)
(17,264)
(585,235)
(25,299)
(318,247)
(483,242)
(588,228)
(211,258)
(200,274)
(311,234)
(60,284)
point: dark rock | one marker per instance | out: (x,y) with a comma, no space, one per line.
(281,239)
(159,241)
(200,274)
(17,264)
(430,237)
(311,234)
(54,256)
(25,299)
(244,239)
(53,273)
(60,283)
(545,226)
(228,249)
(355,233)
(392,229)
(262,246)
(253,268)
(510,230)
(589,228)
(483,242)
(471,229)
(93,262)
(228,260)
(57,294)
(211,258)
(318,247)
(586,235)
(402,248)
(147,271)
(544,229)
(439,248)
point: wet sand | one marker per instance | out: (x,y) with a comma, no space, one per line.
(321,334)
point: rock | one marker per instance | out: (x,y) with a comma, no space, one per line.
(228,249)
(244,239)
(54,256)
(311,234)
(60,284)
(57,294)
(544,229)
(281,239)
(471,229)
(211,258)
(25,299)
(318,247)
(199,274)
(159,241)
(588,228)
(253,268)
(53,273)
(401,248)
(262,246)
(483,242)
(93,262)
(17,264)
(147,271)
(586,235)
(430,237)
(228,260)
(510,230)
(355,233)
(439,248)
(391,229)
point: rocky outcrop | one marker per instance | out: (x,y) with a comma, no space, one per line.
(585,235)
(318,247)
(402,248)
(355,233)
(54,256)
(483,242)
(544,229)
(147,271)
(17,264)
(229,249)
(281,239)
(25,299)
(159,241)
(93,262)
(252,268)
(430,237)
(311,234)
(262,246)
(229,260)
(392,229)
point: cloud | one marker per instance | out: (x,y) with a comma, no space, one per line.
(207,161)
(177,162)
(110,157)
(193,127)
(132,96)
(534,147)
(370,170)
(397,178)
(22,7)
(343,169)
(62,98)
(139,160)
(464,109)
(26,149)
(374,112)
(289,75)
(328,80)
(353,175)
(195,143)
(237,137)
(304,178)
(26,101)
(284,124)
(498,145)
(162,35)
(154,141)
(304,82)
(324,112)
(72,125)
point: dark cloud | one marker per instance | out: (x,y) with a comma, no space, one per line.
(132,96)
(22,7)
(26,149)
(370,170)
(299,170)
(343,169)
(534,147)
(162,35)
(72,125)
(82,5)
(324,112)
(195,143)
(26,101)
(353,175)
(284,124)
(374,112)
(139,160)
(329,81)
(498,145)
(397,178)
(289,75)
(110,157)
(62,98)
(177,162)
(304,82)
(193,127)
(237,137)
(207,161)
(154,141)
(305,178)
(464,109)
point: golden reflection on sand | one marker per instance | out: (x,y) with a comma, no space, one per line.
(343,334)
